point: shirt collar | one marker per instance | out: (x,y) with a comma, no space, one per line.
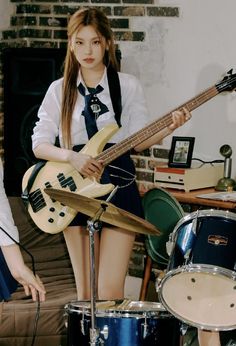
(103,82)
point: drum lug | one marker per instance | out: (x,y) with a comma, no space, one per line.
(145,328)
(105,332)
(65,318)
(183,328)
(159,280)
(194,224)
(187,254)
(84,326)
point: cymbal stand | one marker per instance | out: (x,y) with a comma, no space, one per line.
(94,225)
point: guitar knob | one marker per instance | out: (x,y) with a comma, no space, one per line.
(50,220)
(62,214)
(52,209)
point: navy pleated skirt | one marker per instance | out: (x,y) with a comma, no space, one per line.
(119,173)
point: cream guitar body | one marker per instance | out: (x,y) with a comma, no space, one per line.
(49,215)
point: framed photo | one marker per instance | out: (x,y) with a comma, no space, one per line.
(181,152)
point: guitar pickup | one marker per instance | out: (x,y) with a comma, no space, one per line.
(36,200)
(67,182)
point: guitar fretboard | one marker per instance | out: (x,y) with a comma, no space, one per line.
(150,130)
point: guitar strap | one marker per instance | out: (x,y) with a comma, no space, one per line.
(115,92)
(26,192)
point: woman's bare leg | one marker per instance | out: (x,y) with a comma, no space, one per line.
(77,241)
(208,338)
(115,249)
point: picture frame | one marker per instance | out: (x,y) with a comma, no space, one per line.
(181,151)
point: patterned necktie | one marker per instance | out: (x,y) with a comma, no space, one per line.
(92,109)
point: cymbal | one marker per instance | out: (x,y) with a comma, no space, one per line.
(111,214)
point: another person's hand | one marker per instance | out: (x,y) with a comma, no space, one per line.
(31,283)
(179,117)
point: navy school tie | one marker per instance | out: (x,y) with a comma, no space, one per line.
(93,108)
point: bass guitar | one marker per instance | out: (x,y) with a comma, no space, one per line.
(53,217)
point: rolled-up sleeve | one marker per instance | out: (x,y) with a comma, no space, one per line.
(6,218)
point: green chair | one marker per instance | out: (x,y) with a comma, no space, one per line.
(164,211)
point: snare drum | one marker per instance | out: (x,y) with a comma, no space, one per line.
(200,285)
(122,323)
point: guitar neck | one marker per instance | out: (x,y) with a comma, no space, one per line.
(137,138)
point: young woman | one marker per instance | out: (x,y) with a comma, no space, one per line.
(89,61)
(11,250)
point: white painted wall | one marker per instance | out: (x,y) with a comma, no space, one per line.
(182,57)
(6,10)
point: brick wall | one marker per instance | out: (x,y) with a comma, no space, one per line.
(43,24)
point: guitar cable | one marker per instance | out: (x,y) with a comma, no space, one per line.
(34,272)
(130,180)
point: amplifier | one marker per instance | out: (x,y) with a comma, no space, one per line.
(188,178)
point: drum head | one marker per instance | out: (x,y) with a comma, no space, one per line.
(163,211)
(203,296)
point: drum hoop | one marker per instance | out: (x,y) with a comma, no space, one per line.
(123,314)
(131,312)
(200,268)
(195,324)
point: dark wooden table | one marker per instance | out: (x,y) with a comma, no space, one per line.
(192,199)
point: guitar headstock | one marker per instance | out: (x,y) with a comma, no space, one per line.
(228,83)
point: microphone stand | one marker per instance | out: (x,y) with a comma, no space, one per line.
(94,225)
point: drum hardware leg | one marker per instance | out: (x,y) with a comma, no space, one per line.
(146,278)
(94,225)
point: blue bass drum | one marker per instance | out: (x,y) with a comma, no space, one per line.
(164,211)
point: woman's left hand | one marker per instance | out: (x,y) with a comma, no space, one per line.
(179,117)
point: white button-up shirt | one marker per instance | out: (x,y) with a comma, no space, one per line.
(133,118)
(6,219)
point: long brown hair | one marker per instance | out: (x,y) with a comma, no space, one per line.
(84,17)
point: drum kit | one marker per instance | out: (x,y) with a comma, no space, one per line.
(198,287)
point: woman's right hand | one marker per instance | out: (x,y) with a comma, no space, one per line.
(86,165)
